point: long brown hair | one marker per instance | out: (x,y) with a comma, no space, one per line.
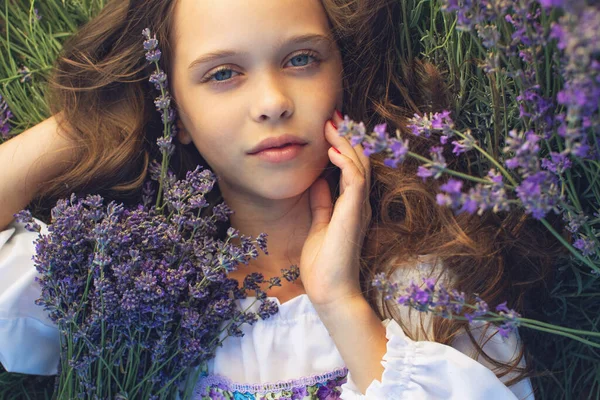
(100,86)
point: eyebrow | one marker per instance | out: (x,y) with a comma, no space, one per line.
(310,37)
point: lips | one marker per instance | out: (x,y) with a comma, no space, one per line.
(277,142)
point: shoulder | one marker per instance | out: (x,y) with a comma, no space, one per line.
(417,325)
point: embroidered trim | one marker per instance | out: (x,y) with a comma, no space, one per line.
(264,388)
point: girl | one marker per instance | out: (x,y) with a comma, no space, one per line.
(242,72)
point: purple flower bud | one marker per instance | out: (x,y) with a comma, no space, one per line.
(574,221)
(586,245)
(165,144)
(159,79)
(162,102)
(25,217)
(153,55)
(539,193)
(453,186)
(291,274)
(424,172)
(5,116)
(558,164)
(267,309)
(464,145)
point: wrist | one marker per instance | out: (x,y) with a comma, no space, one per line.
(350,304)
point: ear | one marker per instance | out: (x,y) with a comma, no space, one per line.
(182,134)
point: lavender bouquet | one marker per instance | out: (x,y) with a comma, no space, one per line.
(527,116)
(141,296)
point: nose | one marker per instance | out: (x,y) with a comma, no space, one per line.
(271,98)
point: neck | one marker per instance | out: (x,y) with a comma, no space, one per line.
(286,223)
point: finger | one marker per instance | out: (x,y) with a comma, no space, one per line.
(360,151)
(351,175)
(343,145)
(320,204)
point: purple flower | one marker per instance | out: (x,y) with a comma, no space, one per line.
(438,162)
(426,124)
(267,309)
(159,79)
(481,309)
(399,150)
(511,320)
(574,221)
(558,32)
(25,217)
(424,172)
(464,145)
(163,102)
(440,301)
(587,246)
(453,186)
(552,3)
(356,131)
(558,163)
(539,193)
(525,148)
(291,274)
(453,195)
(5,116)
(165,144)
(252,281)
(489,35)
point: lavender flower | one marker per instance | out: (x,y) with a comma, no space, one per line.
(25,74)
(453,195)
(539,193)
(586,245)
(135,279)
(558,163)
(436,167)
(464,145)
(426,124)
(291,274)
(5,116)
(440,301)
(574,220)
(24,216)
(525,148)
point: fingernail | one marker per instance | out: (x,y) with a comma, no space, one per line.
(336,150)
(339,114)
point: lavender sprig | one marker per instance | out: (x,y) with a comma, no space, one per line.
(163,104)
(5,116)
(538,192)
(451,304)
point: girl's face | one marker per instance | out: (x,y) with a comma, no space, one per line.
(273,85)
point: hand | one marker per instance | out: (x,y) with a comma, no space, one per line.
(329,262)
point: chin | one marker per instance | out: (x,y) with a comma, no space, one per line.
(287,187)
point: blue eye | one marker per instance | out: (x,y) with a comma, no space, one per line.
(225,72)
(300,57)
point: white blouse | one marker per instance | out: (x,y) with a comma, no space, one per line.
(289,356)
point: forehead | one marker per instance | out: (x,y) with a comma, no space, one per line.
(208,25)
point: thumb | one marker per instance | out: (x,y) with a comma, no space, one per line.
(320,205)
